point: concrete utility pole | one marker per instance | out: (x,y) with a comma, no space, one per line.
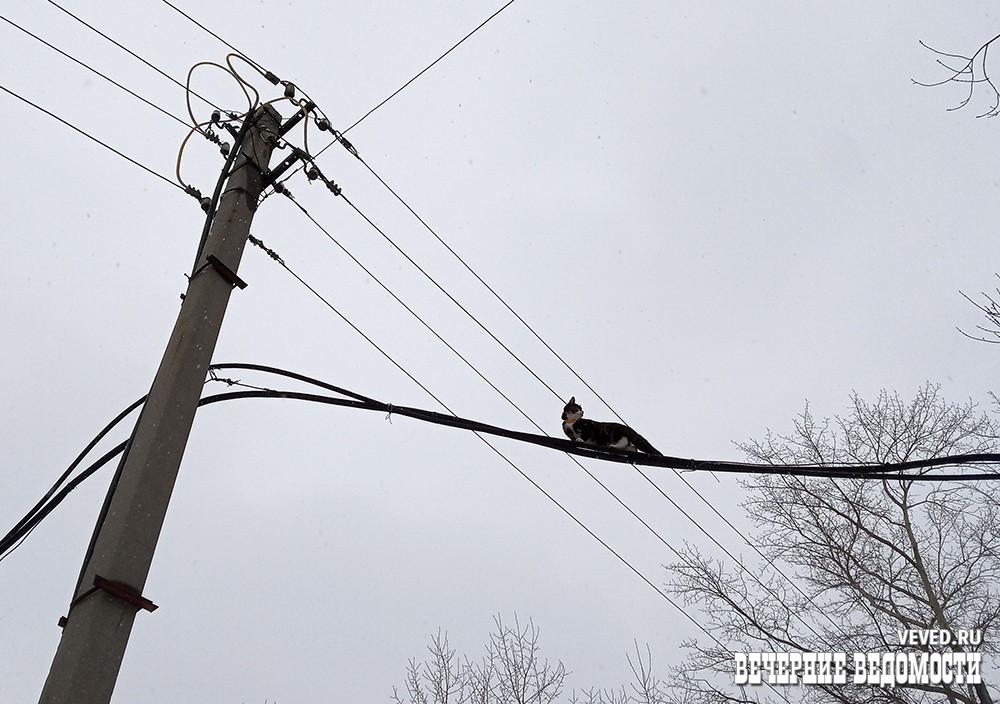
(109,595)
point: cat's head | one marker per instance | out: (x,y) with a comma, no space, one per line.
(572,410)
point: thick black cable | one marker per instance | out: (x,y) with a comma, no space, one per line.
(9,541)
(73,465)
(12,541)
(889,471)
(633,513)
(91,137)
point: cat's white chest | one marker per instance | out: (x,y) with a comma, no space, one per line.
(571,432)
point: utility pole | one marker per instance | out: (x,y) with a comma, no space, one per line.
(99,622)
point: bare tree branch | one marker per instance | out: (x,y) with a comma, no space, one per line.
(991,309)
(972,70)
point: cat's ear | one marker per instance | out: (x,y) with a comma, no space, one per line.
(572,399)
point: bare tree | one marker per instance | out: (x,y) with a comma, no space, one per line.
(512,672)
(870,557)
(437,681)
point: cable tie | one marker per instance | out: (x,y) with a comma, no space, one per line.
(212,376)
(388,416)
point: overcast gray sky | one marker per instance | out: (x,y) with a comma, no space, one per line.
(713,211)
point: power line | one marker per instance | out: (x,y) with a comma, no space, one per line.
(130,52)
(199,24)
(366,165)
(435,233)
(590,474)
(92,138)
(426,275)
(421,220)
(16,537)
(316,174)
(94,70)
(594,391)
(428,67)
(489,288)
(271,253)
(789,640)
(408,308)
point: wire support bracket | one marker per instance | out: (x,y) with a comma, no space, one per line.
(119,590)
(271,177)
(225,272)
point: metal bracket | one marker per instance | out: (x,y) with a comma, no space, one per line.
(116,589)
(123,591)
(296,118)
(225,272)
(289,161)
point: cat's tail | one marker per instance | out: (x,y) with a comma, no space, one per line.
(642,445)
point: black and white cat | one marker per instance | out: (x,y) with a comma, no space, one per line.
(592,432)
